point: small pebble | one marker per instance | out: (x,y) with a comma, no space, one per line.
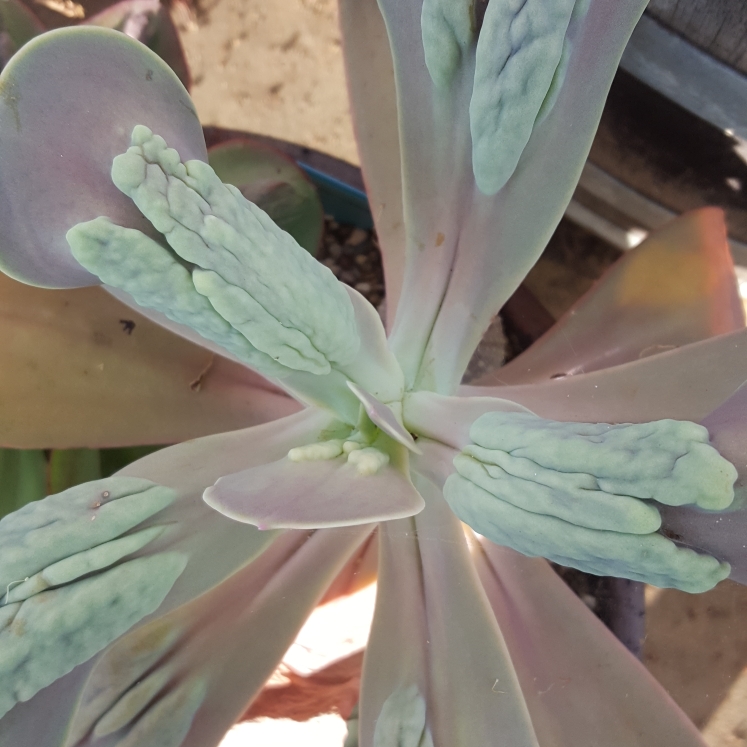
(358,236)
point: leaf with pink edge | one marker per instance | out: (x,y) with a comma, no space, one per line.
(69,102)
(216,548)
(675,288)
(579,683)
(468,251)
(324,486)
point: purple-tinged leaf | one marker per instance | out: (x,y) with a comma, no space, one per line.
(723,534)
(208,648)
(675,288)
(471,266)
(436,172)
(682,384)
(71,99)
(434,633)
(217,546)
(448,419)
(582,687)
(373,101)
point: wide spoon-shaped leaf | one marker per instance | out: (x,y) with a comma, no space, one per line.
(71,99)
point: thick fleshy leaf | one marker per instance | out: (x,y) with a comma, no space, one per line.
(247,285)
(80,369)
(436,172)
(325,489)
(215,546)
(511,499)
(682,384)
(434,643)
(582,687)
(676,287)
(520,50)
(17,26)
(71,99)
(467,251)
(373,101)
(67,596)
(207,651)
(274,182)
(723,534)
(148,21)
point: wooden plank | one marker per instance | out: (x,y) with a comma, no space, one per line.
(717,26)
(669,155)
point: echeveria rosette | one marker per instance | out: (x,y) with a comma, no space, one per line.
(439,668)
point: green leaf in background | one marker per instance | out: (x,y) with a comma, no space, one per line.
(31,474)
(23,477)
(113,460)
(274,182)
(70,467)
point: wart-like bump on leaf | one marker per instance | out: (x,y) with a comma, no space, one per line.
(402,721)
(575,492)
(518,53)
(448,29)
(67,595)
(255,275)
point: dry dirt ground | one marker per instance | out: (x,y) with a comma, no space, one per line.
(276,68)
